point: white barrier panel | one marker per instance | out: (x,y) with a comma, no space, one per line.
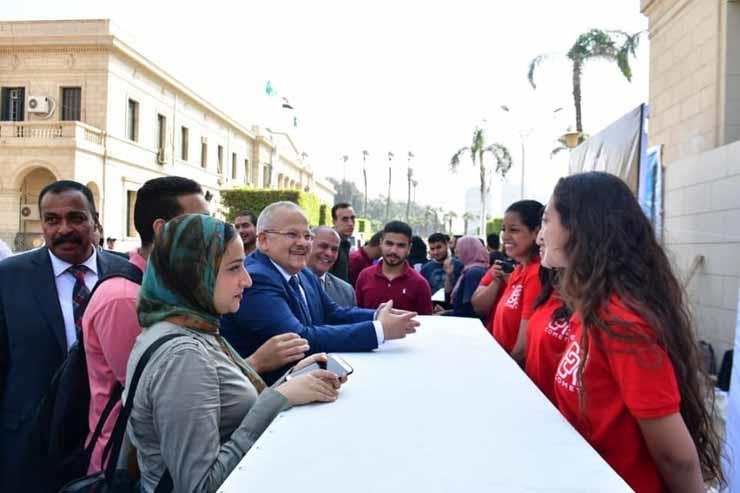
(732,430)
(444,410)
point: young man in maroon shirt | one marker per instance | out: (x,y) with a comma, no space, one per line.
(393,278)
(364,257)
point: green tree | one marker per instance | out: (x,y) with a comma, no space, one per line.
(467,217)
(614,46)
(478,149)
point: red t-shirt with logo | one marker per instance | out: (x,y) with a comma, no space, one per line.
(516,303)
(546,341)
(624,381)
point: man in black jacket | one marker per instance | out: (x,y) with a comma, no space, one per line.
(41,294)
(343,217)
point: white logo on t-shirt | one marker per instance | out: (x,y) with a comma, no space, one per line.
(567,374)
(558,328)
(516,294)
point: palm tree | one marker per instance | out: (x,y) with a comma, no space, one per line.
(364,178)
(614,46)
(388,200)
(409,178)
(477,151)
(467,217)
(450,217)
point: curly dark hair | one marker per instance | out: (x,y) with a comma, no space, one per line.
(613,251)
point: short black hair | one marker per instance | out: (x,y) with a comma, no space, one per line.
(375,239)
(245,213)
(340,205)
(493,241)
(67,185)
(398,227)
(157,199)
(438,238)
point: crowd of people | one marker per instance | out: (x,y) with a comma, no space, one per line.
(578,292)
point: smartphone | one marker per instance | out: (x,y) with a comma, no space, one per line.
(334,364)
(506,265)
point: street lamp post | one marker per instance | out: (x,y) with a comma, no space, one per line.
(524,134)
(388,200)
(409,177)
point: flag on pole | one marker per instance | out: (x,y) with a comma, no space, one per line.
(269,89)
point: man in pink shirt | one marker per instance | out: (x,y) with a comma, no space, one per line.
(393,278)
(110,324)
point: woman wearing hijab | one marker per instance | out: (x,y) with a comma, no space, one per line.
(199,407)
(474,257)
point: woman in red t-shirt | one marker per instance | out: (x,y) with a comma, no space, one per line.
(510,310)
(547,333)
(630,380)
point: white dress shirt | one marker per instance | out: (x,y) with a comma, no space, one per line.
(376,323)
(65,282)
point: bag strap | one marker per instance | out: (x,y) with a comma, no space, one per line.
(114,398)
(127,271)
(113,448)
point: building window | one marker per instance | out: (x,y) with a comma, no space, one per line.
(161,132)
(71,103)
(246,172)
(233,165)
(184,143)
(130,205)
(13,101)
(204,153)
(267,171)
(220,160)
(132,121)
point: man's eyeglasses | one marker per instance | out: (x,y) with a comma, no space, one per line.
(291,235)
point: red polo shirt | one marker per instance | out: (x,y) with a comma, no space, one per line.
(409,291)
(358,260)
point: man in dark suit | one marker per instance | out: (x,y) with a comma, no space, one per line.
(40,295)
(324,252)
(287,297)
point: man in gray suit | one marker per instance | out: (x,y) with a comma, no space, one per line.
(323,255)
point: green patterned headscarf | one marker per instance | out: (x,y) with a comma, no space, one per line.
(180,280)
(181,275)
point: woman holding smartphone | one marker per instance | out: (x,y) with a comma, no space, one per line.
(509,303)
(199,407)
(630,380)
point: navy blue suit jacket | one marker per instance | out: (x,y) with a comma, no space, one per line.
(268,308)
(33,344)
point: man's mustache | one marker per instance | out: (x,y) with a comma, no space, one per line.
(71,238)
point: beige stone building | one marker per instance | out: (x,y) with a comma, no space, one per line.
(695,115)
(78,103)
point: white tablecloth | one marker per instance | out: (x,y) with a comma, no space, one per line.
(444,410)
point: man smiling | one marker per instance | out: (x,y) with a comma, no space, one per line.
(324,252)
(287,297)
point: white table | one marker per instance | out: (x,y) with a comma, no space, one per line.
(444,410)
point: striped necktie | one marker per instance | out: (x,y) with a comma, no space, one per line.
(79,293)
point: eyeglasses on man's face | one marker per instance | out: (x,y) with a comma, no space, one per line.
(292,235)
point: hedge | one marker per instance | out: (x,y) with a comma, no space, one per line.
(239,199)
(494,226)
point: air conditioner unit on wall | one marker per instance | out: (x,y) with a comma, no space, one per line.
(30,212)
(39,104)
